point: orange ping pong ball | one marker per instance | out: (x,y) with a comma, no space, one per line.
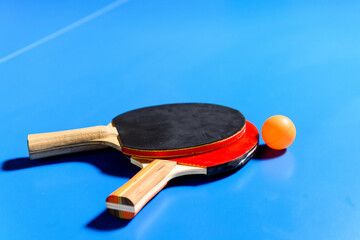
(278,132)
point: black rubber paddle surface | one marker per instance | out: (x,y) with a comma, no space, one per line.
(177,126)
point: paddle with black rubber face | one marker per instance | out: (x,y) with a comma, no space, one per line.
(129,199)
(164,131)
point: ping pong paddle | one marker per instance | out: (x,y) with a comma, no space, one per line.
(164,131)
(129,199)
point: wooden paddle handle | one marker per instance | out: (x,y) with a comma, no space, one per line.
(57,143)
(129,199)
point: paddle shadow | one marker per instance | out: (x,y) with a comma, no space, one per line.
(196,180)
(114,163)
(109,161)
(105,222)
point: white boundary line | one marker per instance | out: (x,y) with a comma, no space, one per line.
(64,29)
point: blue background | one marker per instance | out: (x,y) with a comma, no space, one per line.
(72,64)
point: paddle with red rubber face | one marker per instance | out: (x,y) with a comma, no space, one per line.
(129,199)
(164,131)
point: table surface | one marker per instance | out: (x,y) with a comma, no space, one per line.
(72,64)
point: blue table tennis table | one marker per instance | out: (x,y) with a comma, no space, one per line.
(73,64)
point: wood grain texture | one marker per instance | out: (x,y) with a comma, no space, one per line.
(57,143)
(137,191)
(129,199)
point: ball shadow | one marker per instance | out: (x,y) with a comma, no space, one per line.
(266,153)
